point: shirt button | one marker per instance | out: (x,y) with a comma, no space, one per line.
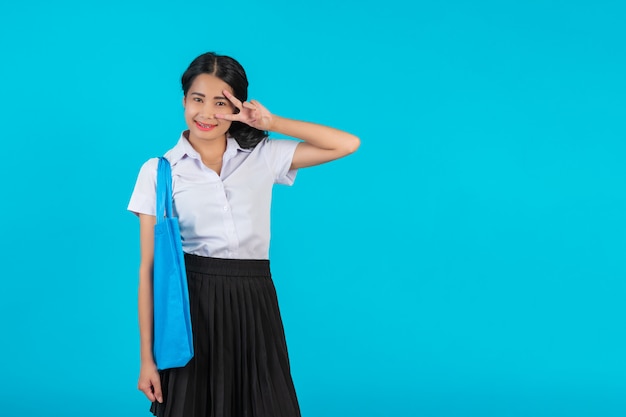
(225,208)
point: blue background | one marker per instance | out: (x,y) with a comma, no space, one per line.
(468,260)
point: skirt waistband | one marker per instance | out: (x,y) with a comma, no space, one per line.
(228,267)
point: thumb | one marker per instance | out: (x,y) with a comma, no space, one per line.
(156,389)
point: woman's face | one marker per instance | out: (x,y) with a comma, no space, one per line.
(205,99)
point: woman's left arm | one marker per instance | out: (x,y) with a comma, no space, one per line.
(320,143)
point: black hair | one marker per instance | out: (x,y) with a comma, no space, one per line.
(232,73)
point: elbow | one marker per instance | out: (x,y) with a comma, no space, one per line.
(352,144)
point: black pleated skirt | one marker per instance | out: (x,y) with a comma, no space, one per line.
(240,365)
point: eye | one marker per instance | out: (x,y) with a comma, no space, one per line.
(221,103)
(197,99)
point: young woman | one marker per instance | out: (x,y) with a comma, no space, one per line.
(223,170)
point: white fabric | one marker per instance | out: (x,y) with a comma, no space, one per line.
(225,216)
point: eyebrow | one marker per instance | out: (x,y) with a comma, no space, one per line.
(214,98)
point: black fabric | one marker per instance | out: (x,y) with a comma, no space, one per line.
(240,367)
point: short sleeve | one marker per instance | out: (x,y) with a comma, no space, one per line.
(143,199)
(279,155)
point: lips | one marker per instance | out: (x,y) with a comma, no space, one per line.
(204,127)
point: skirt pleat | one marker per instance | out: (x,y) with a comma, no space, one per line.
(240,366)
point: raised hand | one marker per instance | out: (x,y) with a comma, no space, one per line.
(251,113)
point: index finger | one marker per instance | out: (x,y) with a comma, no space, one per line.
(233,99)
(156,390)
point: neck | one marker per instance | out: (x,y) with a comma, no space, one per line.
(209,150)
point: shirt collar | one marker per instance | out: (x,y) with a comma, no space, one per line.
(183,148)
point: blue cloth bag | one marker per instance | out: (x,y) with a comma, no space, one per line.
(173,338)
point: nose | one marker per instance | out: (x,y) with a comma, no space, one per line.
(207,111)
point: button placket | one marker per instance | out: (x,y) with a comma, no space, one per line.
(229,223)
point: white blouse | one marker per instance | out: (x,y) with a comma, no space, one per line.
(226,215)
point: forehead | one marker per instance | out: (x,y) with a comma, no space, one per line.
(208,84)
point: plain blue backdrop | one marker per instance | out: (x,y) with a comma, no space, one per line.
(467,261)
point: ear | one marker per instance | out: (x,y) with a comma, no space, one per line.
(184,101)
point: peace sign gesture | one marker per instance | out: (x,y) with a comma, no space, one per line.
(251,113)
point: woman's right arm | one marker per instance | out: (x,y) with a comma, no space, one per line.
(149,380)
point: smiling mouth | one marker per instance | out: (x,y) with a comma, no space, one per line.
(204,127)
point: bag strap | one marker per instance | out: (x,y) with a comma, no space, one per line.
(164,190)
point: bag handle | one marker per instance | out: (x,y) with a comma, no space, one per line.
(164,190)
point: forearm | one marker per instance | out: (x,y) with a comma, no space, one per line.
(320,136)
(146,315)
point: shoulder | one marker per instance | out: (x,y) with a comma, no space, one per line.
(148,173)
(149,167)
(276,151)
(278,155)
(276,146)
(151,163)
